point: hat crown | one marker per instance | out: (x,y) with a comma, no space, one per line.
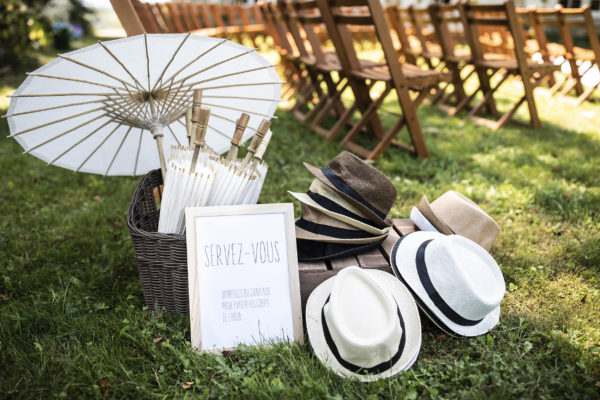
(367,180)
(465,275)
(465,217)
(362,319)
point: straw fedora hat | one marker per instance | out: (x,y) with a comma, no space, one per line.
(361,184)
(363,324)
(338,211)
(456,282)
(315,225)
(453,213)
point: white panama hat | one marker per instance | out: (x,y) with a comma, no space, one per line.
(364,324)
(456,282)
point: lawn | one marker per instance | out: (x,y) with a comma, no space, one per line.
(73,323)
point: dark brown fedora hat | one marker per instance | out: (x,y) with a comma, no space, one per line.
(361,184)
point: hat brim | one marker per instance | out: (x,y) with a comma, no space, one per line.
(305,198)
(420,221)
(308,235)
(310,250)
(403,261)
(408,310)
(365,210)
(425,209)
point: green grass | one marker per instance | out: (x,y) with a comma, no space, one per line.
(73,324)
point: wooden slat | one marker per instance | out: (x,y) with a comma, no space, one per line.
(128,17)
(308,282)
(372,259)
(404,226)
(312,266)
(487,21)
(389,242)
(340,263)
(353,19)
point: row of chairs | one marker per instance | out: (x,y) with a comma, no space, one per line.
(320,76)
(232,21)
(580,65)
(437,34)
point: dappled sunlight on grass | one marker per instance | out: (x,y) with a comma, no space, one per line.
(71,306)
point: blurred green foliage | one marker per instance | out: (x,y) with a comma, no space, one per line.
(22,29)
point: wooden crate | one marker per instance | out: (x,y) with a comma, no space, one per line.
(313,273)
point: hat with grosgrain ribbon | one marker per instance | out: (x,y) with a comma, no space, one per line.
(361,184)
(455,281)
(363,324)
(454,213)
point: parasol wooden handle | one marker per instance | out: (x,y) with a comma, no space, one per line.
(157,132)
(262,147)
(199,135)
(240,127)
(196,105)
(258,137)
(188,122)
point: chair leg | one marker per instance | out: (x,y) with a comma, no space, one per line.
(561,81)
(506,117)
(488,94)
(533,114)
(326,110)
(366,116)
(484,84)
(586,94)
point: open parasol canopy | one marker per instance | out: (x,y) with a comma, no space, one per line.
(105,108)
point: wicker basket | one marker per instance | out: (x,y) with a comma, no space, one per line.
(161,258)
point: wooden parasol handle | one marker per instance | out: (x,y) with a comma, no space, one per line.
(258,137)
(199,135)
(240,127)
(157,132)
(262,147)
(196,105)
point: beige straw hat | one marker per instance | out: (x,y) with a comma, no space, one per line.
(453,213)
(364,324)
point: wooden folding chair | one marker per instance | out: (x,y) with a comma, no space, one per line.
(294,74)
(252,29)
(424,31)
(147,17)
(407,44)
(504,17)
(396,77)
(455,55)
(582,61)
(304,18)
(536,41)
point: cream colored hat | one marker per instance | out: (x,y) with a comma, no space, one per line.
(335,207)
(453,213)
(455,281)
(315,225)
(364,324)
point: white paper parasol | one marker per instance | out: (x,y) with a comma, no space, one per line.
(99,109)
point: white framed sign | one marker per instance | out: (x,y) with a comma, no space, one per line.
(242,275)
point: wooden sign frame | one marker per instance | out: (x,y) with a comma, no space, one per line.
(196,297)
